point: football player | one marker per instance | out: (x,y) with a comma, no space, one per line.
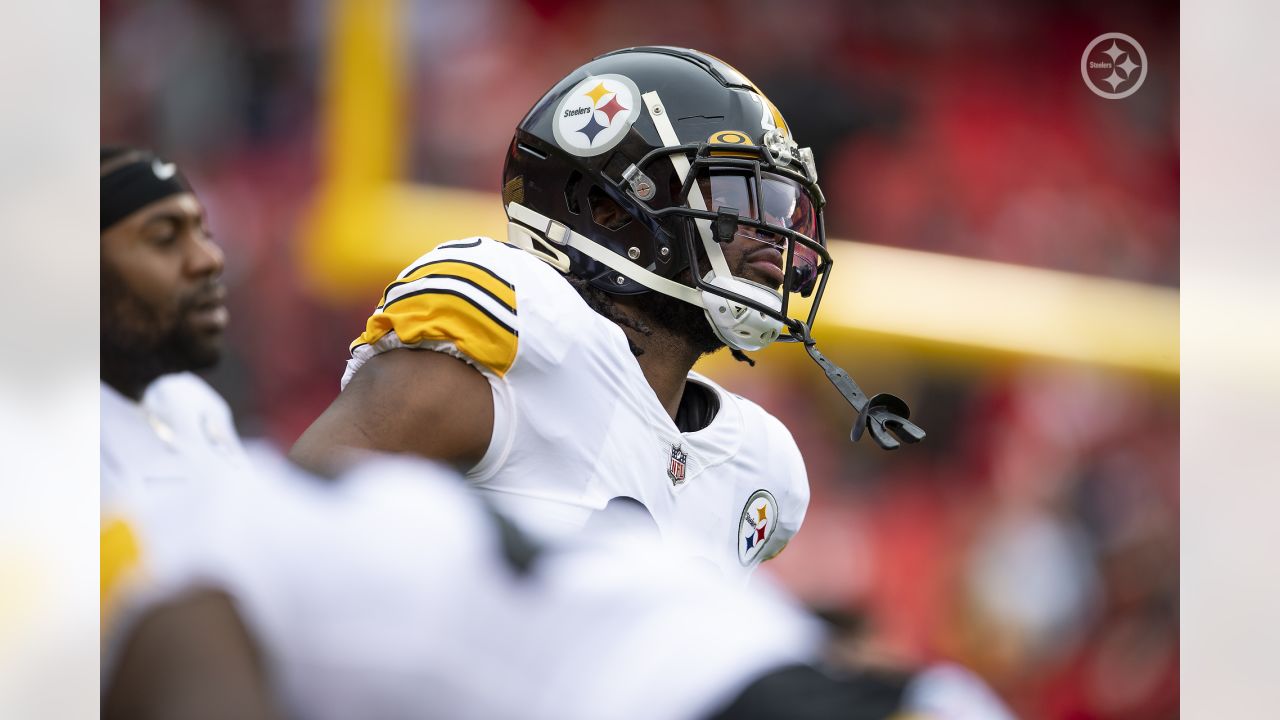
(392,591)
(659,210)
(162,317)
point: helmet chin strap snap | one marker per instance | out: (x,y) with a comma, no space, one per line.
(737,325)
(883,414)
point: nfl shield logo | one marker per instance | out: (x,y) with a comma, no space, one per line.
(676,468)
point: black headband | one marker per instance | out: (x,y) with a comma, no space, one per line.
(137,184)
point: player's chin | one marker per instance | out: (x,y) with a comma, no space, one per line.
(201,347)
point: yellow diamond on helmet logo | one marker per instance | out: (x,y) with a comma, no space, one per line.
(596,93)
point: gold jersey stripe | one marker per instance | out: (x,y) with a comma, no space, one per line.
(439,314)
(478,275)
(121,554)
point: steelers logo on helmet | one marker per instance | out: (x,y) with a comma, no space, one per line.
(755,527)
(595,115)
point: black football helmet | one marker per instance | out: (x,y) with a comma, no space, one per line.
(692,153)
(639,165)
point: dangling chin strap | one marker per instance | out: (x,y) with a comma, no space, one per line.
(886,415)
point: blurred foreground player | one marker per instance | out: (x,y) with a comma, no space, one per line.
(659,210)
(162,317)
(393,592)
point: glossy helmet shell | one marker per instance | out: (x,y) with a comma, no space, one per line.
(565,179)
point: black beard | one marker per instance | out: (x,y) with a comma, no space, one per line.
(136,348)
(686,321)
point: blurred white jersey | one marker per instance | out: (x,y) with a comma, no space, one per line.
(393,592)
(576,423)
(180,431)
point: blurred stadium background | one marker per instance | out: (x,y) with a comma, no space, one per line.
(1032,226)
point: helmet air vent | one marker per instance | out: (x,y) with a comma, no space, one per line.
(605,211)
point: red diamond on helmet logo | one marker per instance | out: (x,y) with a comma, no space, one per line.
(676,468)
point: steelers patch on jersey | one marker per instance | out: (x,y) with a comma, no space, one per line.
(595,115)
(759,517)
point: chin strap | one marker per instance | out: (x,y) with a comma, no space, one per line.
(886,415)
(557,234)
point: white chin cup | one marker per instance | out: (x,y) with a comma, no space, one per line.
(739,326)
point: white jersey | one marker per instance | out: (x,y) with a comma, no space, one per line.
(576,423)
(180,431)
(392,592)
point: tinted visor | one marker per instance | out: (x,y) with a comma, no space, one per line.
(778,202)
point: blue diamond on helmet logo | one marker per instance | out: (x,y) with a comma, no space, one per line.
(591,129)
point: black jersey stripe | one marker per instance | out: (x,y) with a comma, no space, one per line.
(470,300)
(486,270)
(461,244)
(468,281)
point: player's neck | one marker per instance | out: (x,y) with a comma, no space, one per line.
(130,385)
(128,369)
(665,361)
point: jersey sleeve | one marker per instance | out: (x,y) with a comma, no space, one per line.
(121,560)
(460,298)
(138,573)
(794,503)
